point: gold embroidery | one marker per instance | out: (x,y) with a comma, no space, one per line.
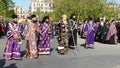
(7,58)
(7,53)
(44,49)
(33,51)
(16,58)
(44,53)
(33,43)
(7,47)
(16,53)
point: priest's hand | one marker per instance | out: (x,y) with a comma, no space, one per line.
(39,31)
(15,36)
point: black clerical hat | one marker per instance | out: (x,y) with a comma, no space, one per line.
(113,20)
(33,16)
(44,18)
(72,15)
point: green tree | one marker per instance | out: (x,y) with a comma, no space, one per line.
(2,7)
(83,8)
(6,8)
(10,13)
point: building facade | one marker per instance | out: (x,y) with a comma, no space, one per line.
(40,5)
(21,12)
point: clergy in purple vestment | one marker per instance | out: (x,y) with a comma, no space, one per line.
(30,33)
(12,49)
(91,34)
(112,34)
(44,43)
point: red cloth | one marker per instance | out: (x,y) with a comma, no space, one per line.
(3,28)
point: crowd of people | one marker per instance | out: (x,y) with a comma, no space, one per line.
(105,32)
(38,35)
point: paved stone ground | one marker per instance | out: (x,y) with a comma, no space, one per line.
(103,56)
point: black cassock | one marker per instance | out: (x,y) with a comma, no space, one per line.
(102,33)
(73,38)
(118,30)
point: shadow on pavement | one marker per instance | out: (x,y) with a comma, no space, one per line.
(83,45)
(11,66)
(2,63)
(2,37)
(22,53)
(51,49)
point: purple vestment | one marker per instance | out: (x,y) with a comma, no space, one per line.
(12,49)
(92,28)
(44,43)
(31,37)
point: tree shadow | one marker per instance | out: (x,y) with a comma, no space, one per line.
(11,66)
(22,53)
(2,63)
(56,49)
(83,45)
(51,49)
(2,37)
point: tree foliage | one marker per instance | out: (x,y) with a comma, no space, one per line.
(6,8)
(2,7)
(83,8)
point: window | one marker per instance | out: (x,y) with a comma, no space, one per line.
(41,4)
(42,1)
(23,16)
(50,5)
(34,4)
(41,8)
(45,4)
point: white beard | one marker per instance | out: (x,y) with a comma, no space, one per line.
(102,23)
(91,22)
(65,22)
